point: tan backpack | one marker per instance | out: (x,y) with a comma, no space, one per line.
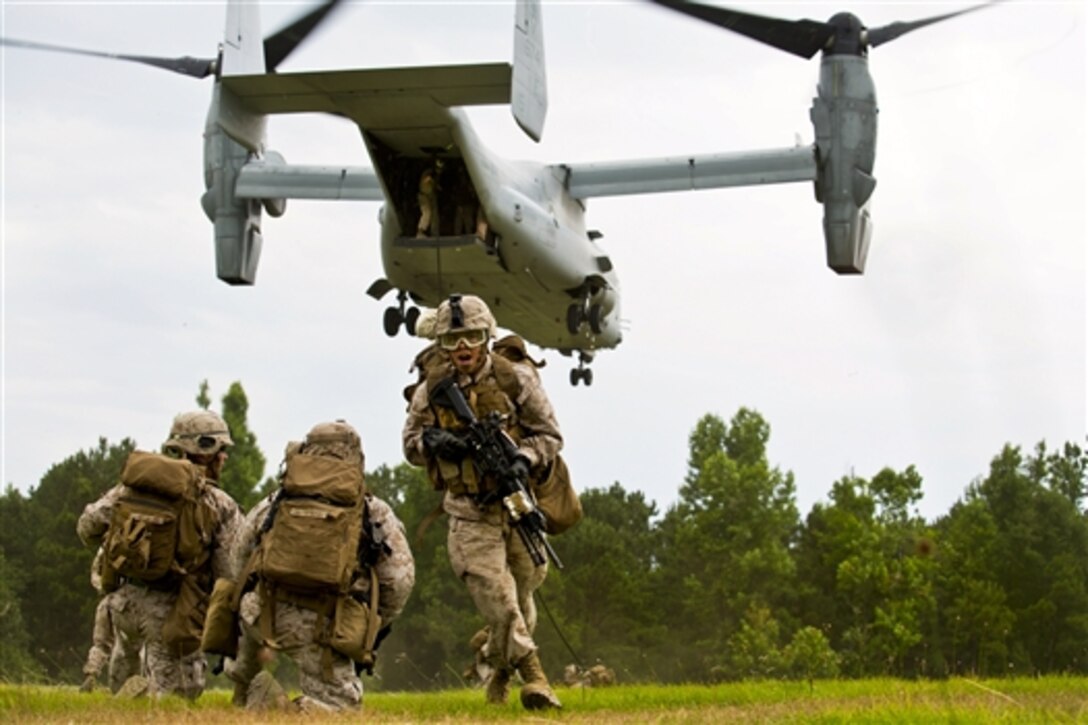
(309,553)
(158,528)
(316,522)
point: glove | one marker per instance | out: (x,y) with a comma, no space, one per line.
(520,468)
(443,444)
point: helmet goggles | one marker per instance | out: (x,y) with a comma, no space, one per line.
(471,338)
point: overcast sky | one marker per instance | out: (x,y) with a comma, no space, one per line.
(968,330)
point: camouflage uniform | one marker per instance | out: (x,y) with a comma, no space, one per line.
(324,688)
(138,609)
(484,550)
(105,645)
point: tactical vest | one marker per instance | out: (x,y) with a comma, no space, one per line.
(160,530)
(495,393)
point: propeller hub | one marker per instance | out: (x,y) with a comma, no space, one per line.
(849,36)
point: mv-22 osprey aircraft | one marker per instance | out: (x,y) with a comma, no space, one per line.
(512,232)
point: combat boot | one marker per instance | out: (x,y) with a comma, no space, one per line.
(134,688)
(241,691)
(536,694)
(498,686)
(266,694)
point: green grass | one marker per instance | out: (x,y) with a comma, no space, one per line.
(1048,699)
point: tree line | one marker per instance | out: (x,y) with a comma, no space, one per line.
(728,583)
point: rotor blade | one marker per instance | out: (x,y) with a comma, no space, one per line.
(281,44)
(804,38)
(891,31)
(186,65)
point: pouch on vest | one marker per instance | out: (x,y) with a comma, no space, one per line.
(312,544)
(557,499)
(184,625)
(156,519)
(356,625)
(221,631)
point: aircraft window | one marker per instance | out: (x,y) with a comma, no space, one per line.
(604,264)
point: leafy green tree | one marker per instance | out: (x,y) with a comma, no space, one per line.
(976,620)
(428,645)
(1040,556)
(754,651)
(58,601)
(16,662)
(1064,472)
(601,602)
(245,465)
(724,548)
(868,575)
(203,398)
(809,656)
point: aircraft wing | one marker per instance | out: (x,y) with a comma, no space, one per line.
(260,180)
(684,173)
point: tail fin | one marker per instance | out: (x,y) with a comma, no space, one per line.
(243,46)
(529,103)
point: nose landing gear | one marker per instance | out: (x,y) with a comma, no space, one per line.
(395,316)
(582,373)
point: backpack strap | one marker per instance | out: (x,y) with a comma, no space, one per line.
(372,624)
(512,347)
(507,377)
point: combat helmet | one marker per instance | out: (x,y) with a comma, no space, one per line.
(197,433)
(464,318)
(336,439)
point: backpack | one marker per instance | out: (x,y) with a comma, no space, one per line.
(158,529)
(310,546)
(310,549)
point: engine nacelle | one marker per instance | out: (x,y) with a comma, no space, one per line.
(237,221)
(844,116)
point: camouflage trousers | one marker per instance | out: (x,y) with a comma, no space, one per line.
(327,678)
(138,614)
(124,661)
(492,561)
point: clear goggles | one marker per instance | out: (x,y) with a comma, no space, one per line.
(453,340)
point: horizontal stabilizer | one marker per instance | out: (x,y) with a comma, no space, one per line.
(355,92)
(709,171)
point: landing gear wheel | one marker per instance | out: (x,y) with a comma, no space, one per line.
(582,373)
(574,318)
(391,321)
(594,321)
(411,317)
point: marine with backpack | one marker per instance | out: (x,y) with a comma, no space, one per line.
(310,566)
(165,533)
(498,383)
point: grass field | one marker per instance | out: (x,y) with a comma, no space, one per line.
(1048,699)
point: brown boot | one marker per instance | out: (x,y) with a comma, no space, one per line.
(241,691)
(498,685)
(536,694)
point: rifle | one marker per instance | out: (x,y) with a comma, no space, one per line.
(493,453)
